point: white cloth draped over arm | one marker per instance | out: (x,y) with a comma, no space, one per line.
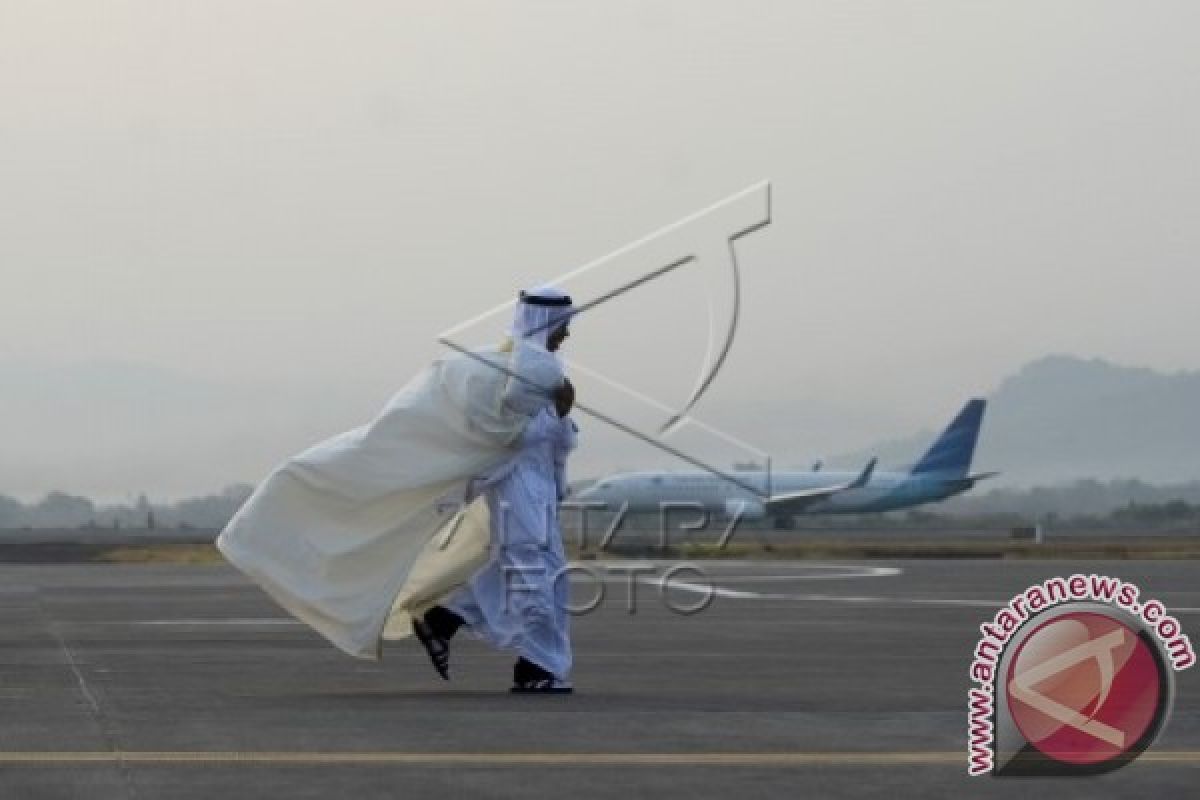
(530,390)
(334,535)
(534,375)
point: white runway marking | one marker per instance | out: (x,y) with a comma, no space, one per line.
(717,591)
(620,571)
(820,572)
(784,578)
(715,588)
(846,570)
(736,594)
(835,571)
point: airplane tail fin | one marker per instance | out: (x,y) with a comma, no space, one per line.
(951,454)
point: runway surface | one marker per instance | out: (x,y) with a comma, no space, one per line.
(801,679)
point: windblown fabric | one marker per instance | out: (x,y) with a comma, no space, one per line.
(472,546)
(353,535)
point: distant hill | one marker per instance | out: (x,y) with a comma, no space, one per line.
(109,429)
(1063,418)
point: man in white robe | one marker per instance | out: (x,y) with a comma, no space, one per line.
(352,537)
(518,600)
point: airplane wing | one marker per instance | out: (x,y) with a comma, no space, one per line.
(796,502)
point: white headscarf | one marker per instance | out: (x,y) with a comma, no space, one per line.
(539,312)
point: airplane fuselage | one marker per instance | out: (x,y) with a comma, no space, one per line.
(746,492)
(943,471)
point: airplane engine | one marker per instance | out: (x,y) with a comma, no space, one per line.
(744,509)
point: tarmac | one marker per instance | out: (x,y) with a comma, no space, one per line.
(798,679)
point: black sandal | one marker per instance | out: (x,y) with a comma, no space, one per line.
(437,647)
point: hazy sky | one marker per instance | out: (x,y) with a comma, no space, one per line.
(282,203)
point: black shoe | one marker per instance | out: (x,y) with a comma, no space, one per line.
(437,647)
(542,686)
(529,678)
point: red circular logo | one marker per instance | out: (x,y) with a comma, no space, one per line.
(1084,688)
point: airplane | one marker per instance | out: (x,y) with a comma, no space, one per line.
(943,471)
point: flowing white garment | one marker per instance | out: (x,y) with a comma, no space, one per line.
(345,536)
(518,600)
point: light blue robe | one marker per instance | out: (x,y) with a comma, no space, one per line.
(518,600)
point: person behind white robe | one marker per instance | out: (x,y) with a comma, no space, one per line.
(351,536)
(518,600)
